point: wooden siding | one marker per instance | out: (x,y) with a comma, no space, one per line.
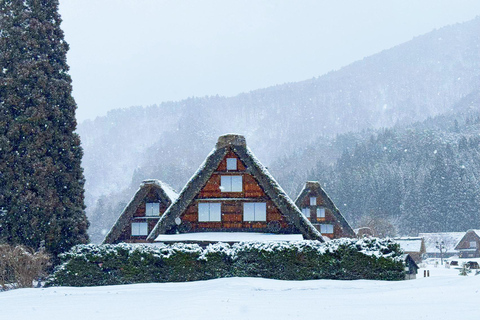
(139,216)
(329,216)
(464,244)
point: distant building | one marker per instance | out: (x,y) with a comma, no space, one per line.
(446,240)
(414,246)
(231,195)
(320,210)
(469,245)
(411,268)
(142,213)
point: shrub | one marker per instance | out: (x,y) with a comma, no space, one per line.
(370,258)
(20,266)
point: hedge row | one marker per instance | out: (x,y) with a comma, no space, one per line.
(93,265)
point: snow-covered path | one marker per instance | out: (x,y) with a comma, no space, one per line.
(444,295)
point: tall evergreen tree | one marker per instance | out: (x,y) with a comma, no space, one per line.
(41,181)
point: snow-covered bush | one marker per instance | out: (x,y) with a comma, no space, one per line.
(367,258)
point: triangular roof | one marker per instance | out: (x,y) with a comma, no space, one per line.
(271,188)
(475,232)
(316,187)
(164,192)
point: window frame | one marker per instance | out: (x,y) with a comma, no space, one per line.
(320,209)
(136,226)
(259,212)
(232,164)
(209,206)
(153,209)
(313,201)
(324,226)
(227,183)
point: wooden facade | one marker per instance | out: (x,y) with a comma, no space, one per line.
(134,224)
(233,192)
(469,245)
(320,210)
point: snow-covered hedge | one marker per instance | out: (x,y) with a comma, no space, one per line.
(92,265)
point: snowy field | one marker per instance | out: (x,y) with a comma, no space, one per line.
(445,295)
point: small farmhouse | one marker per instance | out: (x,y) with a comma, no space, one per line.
(231,194)
(320,210)
(441,244)
(414,246)
(469,245)
(142,213)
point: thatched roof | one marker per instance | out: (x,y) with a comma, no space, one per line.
(315,187)
(163,191)
(238,145)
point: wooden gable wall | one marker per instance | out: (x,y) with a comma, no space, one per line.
(465,251)
(140,216)
(329,216)
(232,204)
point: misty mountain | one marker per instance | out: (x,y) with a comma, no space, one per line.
(424,77)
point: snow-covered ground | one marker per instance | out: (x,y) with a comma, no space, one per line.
(444,295)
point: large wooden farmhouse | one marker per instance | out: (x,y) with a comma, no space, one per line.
(469,245)
(142,213)
(320,210)
(232,193)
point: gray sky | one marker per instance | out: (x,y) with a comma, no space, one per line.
(143,52)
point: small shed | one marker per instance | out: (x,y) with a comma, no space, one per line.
(411,268)
(414,246)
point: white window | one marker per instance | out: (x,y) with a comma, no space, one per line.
(254,211)
(231,163)
(209,212)
(326,228)
(473,244)
(306,212)
(231,184)
(313,201)
(152,209)
(320,212)
(139,229)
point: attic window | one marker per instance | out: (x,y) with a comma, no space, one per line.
(231,164)
(326,228)
(255,211)
(320,212)
(313,201)
(306,212)
(139,229)
(152,209)
(473,244)
(231,184)
(209,212)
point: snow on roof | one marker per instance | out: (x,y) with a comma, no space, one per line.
(409,244)
(477,231)
(169,191)
(450,241)
(227,237)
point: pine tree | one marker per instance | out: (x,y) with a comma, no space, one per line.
(41,181)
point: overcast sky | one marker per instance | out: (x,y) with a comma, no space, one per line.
(141,52)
